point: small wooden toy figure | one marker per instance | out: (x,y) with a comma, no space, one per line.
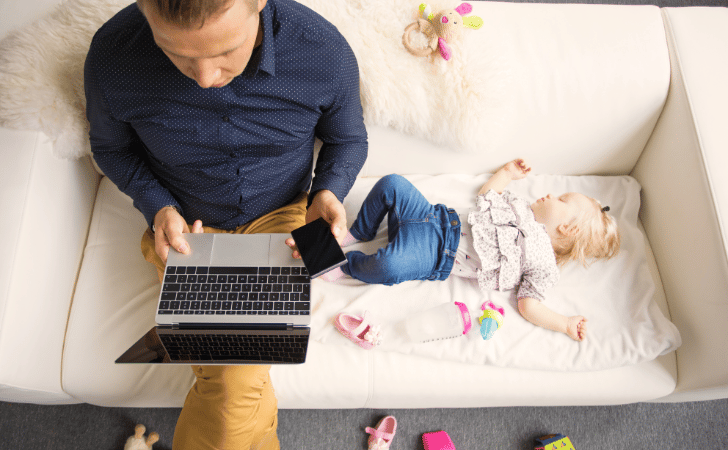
(554,442)
(439,29)
(137,442)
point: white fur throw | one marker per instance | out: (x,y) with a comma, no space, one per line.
(41,74)
(448,102)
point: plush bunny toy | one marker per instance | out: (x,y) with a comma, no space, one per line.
(439,29)
(137,442)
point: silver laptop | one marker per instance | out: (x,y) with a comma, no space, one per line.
(235,299)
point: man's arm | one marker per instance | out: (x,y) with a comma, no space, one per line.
(118,152)
(344,151)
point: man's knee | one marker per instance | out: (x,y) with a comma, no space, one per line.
(234,376)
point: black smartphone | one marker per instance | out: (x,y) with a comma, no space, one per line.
(318,247)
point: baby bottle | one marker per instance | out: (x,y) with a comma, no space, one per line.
(444,321)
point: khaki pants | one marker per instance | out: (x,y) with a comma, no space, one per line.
(232,407)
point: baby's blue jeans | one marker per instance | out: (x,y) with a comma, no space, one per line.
(423,238)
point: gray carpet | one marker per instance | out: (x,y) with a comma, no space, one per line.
(684,426)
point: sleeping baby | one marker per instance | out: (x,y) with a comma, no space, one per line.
(505,242)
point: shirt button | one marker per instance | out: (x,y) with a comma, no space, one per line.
(225,119)
(454,223)
(232,155)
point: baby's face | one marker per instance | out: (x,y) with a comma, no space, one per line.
(563,210)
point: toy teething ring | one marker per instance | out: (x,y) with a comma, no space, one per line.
(415,27)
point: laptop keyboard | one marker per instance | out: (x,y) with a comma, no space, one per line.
(221,347)
(275,291)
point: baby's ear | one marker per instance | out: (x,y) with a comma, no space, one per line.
(567,230)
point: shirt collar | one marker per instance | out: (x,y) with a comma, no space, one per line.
(263,57)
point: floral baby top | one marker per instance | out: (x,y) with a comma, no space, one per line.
(504,247)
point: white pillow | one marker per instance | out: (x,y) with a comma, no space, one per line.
(625,324)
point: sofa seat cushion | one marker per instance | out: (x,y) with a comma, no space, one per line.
(114,306)
(626,326)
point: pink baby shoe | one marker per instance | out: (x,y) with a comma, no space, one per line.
(381,437)
(359,330)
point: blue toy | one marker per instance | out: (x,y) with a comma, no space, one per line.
(491,320)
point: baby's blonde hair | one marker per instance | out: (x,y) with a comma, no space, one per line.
(597,237)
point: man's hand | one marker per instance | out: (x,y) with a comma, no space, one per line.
(169,226)
(325,205)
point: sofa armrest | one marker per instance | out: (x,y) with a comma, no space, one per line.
(46,204)
(685,198)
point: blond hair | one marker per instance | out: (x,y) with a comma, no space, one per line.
(596,237)
(189,13)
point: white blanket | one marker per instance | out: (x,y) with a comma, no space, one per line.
(625,324)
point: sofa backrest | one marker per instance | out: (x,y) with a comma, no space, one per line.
(575,89)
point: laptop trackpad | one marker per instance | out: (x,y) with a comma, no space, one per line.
(240,250)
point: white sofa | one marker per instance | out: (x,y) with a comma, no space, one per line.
(76,292)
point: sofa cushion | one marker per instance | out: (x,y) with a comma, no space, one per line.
(575,88)
(115,301)
(620,297)
(685,197)
(46,204)
(395,377)
(114,305)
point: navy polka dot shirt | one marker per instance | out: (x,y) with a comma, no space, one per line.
(226,155)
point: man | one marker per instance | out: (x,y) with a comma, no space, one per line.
(205,112)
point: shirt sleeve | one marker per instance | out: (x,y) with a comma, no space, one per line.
(119,152)
(344,136)
(540,272)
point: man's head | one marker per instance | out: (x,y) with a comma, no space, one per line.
(210,41)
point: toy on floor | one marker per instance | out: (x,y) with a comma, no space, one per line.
(491,319)
(137,442)
(439,29)
(437,440)
(553,442)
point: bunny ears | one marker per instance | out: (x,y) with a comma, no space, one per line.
(464,9)
(439,28)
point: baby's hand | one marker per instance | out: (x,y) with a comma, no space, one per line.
(576,328)
(517,169)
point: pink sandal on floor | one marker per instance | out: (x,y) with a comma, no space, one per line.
(358,330)
(381,437)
